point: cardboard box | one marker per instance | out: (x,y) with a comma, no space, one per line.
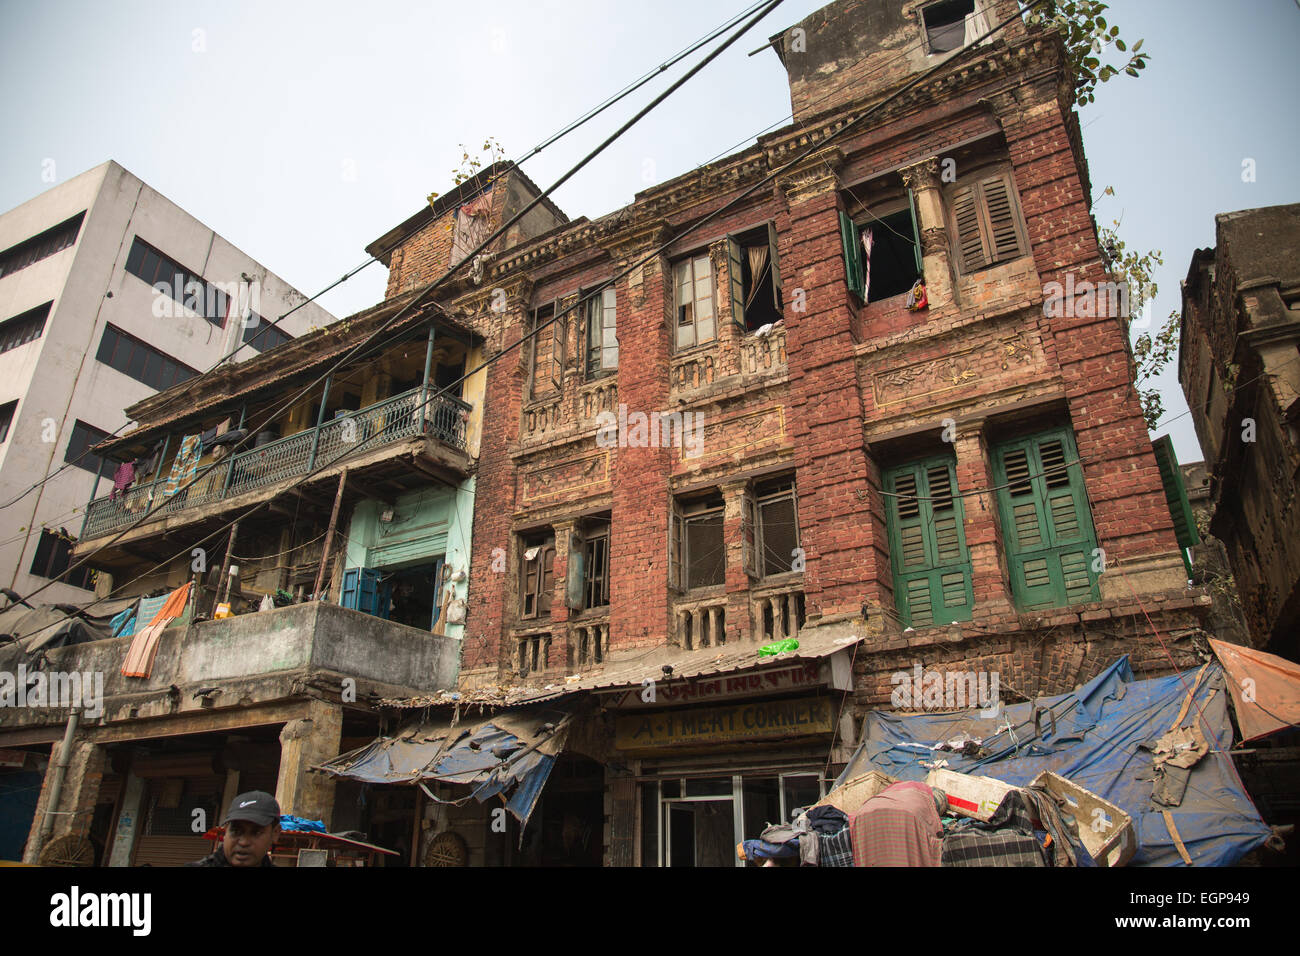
(1105,830)
(969,796)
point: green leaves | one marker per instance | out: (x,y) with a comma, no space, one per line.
(1086,34)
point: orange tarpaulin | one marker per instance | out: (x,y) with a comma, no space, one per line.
(140,655)
(1265,689)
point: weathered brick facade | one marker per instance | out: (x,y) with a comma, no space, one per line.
(836,394)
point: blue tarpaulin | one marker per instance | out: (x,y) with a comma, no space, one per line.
(1100,740)
(511,754)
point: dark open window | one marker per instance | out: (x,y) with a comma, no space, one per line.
(261,334)
(83,438)
(697,552)
(595,565)
(184,285)
(41,246)
(54,554)
(777,531)
(945,24)
(880,237)
(142,362)
(7,419)
(755,277)
(24,328)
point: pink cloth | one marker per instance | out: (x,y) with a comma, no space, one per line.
(898,827)
(122,479)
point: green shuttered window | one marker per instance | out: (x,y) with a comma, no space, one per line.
(932,570)
(1046,521)
(1180,509)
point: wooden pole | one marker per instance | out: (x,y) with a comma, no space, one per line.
(225,570)
(329,536)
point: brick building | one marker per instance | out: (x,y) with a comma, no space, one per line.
(1240,371)
(749,436)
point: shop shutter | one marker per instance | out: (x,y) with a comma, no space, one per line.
(1046,521)
(850,239)
(1180,509)
(736,280)
(931,564)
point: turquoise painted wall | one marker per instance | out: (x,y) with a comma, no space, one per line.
(435,522)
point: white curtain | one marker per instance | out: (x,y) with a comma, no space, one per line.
(757,263)
(867,242)
(977,23)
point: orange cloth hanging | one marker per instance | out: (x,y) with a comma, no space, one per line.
(144,646)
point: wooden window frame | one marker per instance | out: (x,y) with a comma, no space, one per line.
(601,314)
(767,492)
(689,263)
(684,513)
(975,236)
(534,576)
(914,482)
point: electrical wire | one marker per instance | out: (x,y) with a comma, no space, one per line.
(430,287)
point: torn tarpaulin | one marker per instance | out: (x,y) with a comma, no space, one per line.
(510,754)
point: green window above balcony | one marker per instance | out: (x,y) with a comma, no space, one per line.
(932,569)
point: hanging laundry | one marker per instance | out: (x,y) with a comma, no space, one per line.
(140,655)
(184,464)
(122,479)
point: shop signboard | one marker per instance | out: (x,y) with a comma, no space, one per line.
(794,717)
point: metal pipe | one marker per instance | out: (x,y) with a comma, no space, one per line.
(225,572)
(60,771)
(320,420)
(428,368)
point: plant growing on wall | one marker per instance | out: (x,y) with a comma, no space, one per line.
(471,166)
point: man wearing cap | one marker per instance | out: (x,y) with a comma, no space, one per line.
(252,823)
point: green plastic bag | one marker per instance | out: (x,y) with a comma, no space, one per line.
(780,647)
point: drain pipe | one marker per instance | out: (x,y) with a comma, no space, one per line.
(60,771)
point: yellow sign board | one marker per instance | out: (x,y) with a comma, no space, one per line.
(710,725)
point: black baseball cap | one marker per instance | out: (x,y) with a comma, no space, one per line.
(257,806)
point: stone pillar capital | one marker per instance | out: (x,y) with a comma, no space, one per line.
(922,174)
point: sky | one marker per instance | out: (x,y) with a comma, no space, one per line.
(301,131)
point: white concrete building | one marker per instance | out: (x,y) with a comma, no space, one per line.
(86,331)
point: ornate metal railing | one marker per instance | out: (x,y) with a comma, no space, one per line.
(395,419)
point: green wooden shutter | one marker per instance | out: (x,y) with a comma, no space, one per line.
(850,239)
(736,280)
(932,569)
(776,268)
(1180,509)
(1046,521)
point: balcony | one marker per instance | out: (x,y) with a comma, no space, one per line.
(778,612)
(701,623)
(251,660)
(397,419)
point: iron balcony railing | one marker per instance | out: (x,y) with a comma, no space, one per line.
(395,419)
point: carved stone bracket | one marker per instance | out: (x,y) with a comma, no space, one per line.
(817,174)
(923,174)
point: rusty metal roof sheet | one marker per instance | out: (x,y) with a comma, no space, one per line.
(629,668)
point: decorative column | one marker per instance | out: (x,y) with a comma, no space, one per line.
(936,257)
